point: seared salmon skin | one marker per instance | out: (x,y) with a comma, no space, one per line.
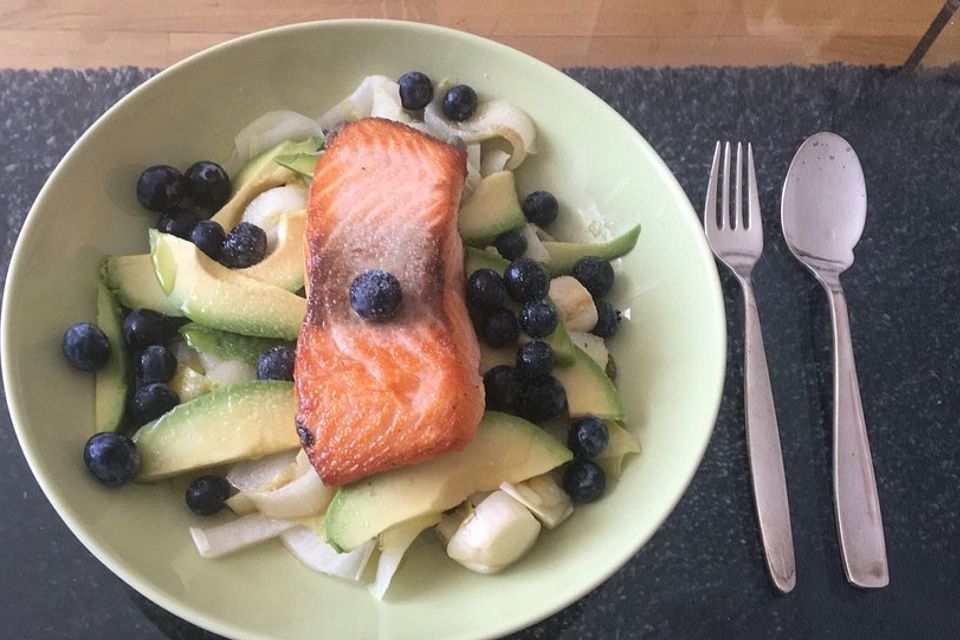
(374,396)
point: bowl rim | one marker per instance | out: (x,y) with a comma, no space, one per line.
(182,608)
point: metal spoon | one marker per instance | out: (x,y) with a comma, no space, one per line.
(823,209)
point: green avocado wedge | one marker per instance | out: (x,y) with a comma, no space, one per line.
(241,421)
(228,346)
(262,163)
(303,163)
(112,383)
(589,390)
(563,255)
(492,209)
(214,296)
(133,282)
(505,449)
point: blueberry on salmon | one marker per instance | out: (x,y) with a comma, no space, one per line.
(376,295)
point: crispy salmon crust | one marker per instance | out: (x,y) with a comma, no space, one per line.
(374,396)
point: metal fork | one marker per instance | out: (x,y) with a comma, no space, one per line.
(738,242)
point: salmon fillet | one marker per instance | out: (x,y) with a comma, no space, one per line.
(374,396)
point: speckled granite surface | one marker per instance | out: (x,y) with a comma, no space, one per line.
(702,574)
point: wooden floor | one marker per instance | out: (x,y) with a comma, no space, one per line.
(90,33)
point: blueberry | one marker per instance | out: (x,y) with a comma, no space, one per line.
(143,327)
(500,328)
(85,346)
(526,279)
(595,274)
(540,208)
(535,359)
(209,237)
(583,480)
(587,437)
(416,90)
(502,389)
(511,245)
(538,318)
(276,363)
(376,295)
(160,188)
(245,246)
(206,495)
(208,184)
(152,401)
(180,222)
(608,320)
(157,364)
(542,398)
(459,102)
(112,458)
(485,289)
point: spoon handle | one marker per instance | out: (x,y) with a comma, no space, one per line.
(763,447)
(859,524)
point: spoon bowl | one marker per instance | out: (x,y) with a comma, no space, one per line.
(824,204)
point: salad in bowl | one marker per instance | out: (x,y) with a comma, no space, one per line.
(364,334)
(88,235)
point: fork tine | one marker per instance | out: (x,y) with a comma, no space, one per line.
(738,203)
(710,206)
(753,197)
(725,213)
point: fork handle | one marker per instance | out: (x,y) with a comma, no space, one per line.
(763,448)
(859,524)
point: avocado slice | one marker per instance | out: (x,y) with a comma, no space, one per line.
(263,161)
(260,174)
(133,282)
(505,449)
(563,255)
(476,259)
(284,266)
(209,293)
(621,443)
(589,390)
(303,163)
(247,420)
(228,346)
(112,378)
(493,208)
(133,279)
(559,340)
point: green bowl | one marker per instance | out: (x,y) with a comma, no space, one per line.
(670,351)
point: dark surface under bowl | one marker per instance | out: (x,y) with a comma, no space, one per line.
(702,574)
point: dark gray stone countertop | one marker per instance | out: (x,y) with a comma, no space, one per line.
(702,575)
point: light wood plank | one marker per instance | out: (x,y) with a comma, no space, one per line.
(83,33)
